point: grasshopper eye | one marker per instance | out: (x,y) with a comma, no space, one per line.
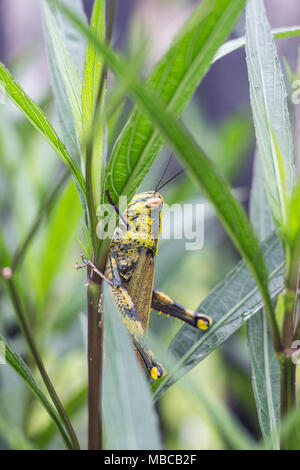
(154,202)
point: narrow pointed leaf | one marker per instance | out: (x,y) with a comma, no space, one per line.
(270,112)
(36,116)
(235,44)
(76,45)
(74,41)
(93,69)
(67,68)
(264,364)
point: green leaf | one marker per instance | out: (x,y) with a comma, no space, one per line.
(16,362)
(264,363)
(38,119)
(230,305)
(260,214)
(93,66)
(265,376)
(174,80)
(67,68)
(234,44)
(214,187)
(74,41)
(270,112)
(130,421)
(66,120)
(93,69)
(292,227)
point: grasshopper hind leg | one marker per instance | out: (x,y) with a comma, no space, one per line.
(162,303)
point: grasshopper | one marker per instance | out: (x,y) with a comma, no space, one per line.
(130,274)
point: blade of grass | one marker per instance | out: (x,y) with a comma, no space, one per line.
(38,119)
(203,172)
(17,363)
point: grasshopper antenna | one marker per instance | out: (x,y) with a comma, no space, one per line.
(173,177)
(115,207)
(164,172)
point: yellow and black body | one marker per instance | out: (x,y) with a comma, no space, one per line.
(130,270)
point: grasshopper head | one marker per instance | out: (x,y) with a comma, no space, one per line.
(146,201)
(144,219)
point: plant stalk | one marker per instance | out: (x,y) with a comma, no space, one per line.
(16,301)
(95,320)
(95,354)
(287,367)
(288,392)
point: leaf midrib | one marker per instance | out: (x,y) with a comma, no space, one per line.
(219,324)
(274,159)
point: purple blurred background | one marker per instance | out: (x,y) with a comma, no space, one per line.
(223,91)
(21,32)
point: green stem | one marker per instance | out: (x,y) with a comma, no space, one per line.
(276,338)
(288,391)
(16,301)
(95,354)
(287,368)
(291,284)
(95,334)
(90,142)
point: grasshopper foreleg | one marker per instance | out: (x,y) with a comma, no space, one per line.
(116,278)
(88,263)
(163,303)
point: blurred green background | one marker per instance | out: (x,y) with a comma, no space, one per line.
(54,293)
